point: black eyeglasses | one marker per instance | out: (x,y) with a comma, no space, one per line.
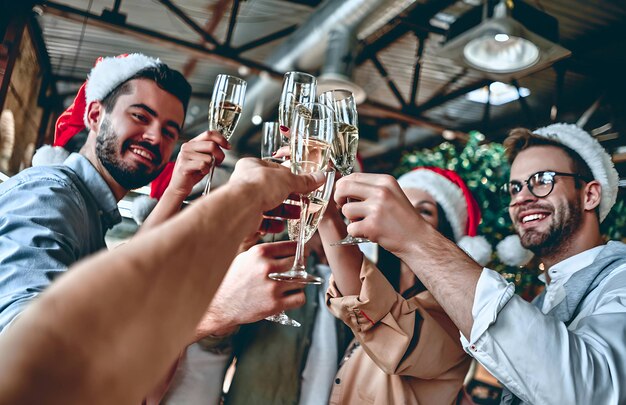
(539,184)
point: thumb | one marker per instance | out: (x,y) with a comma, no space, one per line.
(305,183)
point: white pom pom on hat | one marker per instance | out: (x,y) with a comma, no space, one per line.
(596,157)
(50,155)
(512,253)
(458,204)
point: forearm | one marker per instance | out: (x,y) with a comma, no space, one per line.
(447,272)
(135,310)
(345,261)
(168,206)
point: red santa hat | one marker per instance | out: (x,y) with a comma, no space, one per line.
(107,74)
(458,204)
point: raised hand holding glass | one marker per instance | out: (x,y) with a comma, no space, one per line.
(225,109)
(346,142)
(312,133)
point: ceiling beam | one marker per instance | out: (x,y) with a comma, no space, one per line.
(390,83)
(380,111)
(438,100)
(234,11)
(419,16)
(78,15)
(266,39)
(191,23)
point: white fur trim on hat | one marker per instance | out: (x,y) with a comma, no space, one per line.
(512,253)
(447,194)
(477,247)
(50,155)
(596,157)
(112,71)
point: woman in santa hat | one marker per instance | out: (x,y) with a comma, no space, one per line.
(407,350)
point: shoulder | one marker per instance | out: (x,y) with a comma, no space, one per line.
(42,180)
(42,191)
(611,292)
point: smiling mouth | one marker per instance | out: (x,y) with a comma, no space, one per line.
(143,153)
(532,218)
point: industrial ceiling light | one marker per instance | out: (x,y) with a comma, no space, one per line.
(503,48)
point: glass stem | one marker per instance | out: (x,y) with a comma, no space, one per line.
(207,188)
(299,260)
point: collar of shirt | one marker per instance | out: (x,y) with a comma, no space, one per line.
(107,204)
(561,272)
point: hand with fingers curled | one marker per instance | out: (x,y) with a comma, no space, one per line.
(247,294)
(271,183)
(379,211)
(195,159)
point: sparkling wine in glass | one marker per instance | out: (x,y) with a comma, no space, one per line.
(298,88)
(272,141)
(317,206)
(312,133)
(346,142)
(225,110)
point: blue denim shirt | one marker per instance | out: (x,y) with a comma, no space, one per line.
(50,217)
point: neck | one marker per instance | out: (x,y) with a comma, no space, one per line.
(89,151)
(586,237)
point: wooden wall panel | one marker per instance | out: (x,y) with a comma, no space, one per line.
(22,99)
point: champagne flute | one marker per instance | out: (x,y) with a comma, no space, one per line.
(224,110)
(272,141)
(317,207)
(312,133)
(298,87)
(346,142)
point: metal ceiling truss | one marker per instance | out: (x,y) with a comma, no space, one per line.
(421,37)
(416,20)
(392,85)
(187,20)
(231,23)
(220,52)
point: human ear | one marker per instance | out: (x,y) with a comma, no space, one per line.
(593,194)
(95,111)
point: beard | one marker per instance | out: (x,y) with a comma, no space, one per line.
(563,224)
(126,175)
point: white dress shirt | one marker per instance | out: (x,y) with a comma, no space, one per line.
(539,358)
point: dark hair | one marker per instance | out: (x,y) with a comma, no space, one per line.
(520,139)
(167,79)
(389,264)
(443,225)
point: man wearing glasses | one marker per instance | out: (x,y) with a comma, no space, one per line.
(567,347)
